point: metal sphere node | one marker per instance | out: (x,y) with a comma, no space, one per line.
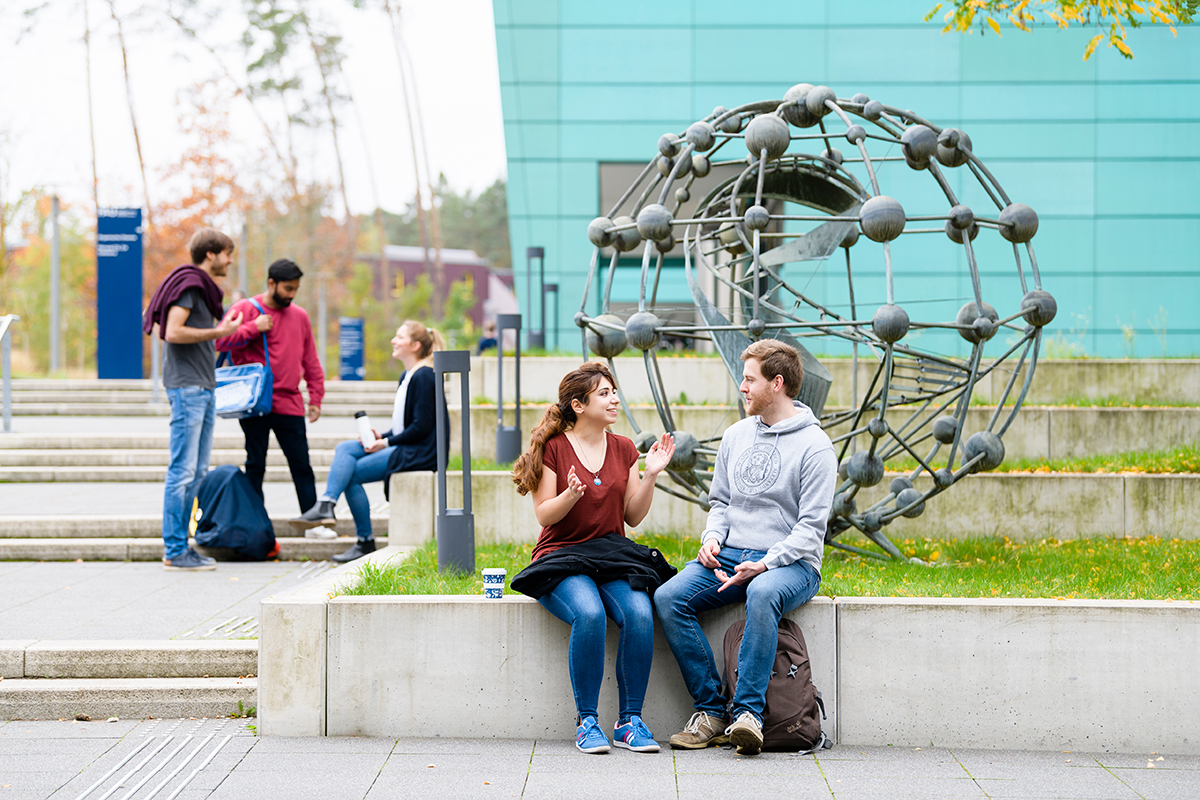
(604,341)
(643,440)
(890,323)
(685,457)
(654,222)
(767,132)
(969,315)
(816,100)
(864,469)
(756,218)
(882,219)
(1018,223)
(952,148)
(626,240)
(945,429)
(989,445)
(1039,308)
(801,245)
(580,319)
(701,135)
(599,233)
(920,143)
(906,498)
(641,331)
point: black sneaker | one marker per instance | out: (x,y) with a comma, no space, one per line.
(361,548)
(320,514)
(189,561)
(203,559)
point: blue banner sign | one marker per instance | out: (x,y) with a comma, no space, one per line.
(350,349)
(119,293)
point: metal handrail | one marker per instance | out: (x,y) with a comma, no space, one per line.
(6,369)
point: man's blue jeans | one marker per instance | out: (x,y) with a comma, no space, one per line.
(767,597)
(352,467)
(578,601)
(193,412)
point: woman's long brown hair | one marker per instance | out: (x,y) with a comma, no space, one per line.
(560,417)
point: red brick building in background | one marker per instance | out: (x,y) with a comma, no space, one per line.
(493,287)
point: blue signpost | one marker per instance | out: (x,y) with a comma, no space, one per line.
(350,349)
(119,293)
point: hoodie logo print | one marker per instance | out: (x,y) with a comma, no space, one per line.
(756,469)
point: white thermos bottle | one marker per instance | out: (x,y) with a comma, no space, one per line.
(365,434)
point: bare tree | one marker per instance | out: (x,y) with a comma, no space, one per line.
(137,139)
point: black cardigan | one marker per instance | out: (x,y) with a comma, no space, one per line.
(416,443)
(603,559)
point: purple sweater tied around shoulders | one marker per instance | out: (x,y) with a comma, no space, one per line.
(182,278)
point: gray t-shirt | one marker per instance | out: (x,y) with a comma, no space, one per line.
(191,364)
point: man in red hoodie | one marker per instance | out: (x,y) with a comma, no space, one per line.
(293,355)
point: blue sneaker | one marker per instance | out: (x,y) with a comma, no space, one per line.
(589,738)
(635,736)
(189,561)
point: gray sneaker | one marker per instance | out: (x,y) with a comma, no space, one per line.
(189,561)
(746,733)
(701,731)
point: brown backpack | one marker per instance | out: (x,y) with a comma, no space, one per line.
(794,710)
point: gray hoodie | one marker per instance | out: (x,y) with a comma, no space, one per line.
(772,489)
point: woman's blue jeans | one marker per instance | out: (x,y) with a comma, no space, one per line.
(767,597)
(585,606)
(352,467)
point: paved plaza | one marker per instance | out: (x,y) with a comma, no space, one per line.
(193,759)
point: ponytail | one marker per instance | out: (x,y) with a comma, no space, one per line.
(560,417)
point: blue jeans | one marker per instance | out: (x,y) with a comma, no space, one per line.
(767,597)
(586,607)
(352,467)
(193,412)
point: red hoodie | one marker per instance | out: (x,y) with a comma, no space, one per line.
(293,353)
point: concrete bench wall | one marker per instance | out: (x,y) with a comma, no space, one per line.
(1011,674)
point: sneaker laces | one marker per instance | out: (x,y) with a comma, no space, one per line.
(750,718)
(698,719)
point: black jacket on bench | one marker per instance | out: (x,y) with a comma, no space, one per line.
(604,559)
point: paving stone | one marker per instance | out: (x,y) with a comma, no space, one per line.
(1083,785)
(911,786)
(600,784)
(322,744)
(1162,784)
(465,785)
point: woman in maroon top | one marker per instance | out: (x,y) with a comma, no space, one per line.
(585,485)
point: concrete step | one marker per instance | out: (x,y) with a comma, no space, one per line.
(151,457)
(136,441)
(121,658)
(292,548)
(144,385)
(143,474)
(127,698)
(112,526)
(74,408)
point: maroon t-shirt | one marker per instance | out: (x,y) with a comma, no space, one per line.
(601,510)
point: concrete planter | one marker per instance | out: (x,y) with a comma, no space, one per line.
(1037,674)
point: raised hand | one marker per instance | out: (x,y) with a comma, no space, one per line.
(574,485)
(660,454)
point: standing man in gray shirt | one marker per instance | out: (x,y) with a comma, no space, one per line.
(771,492)
(184,312)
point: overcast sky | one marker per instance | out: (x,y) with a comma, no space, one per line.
(43,101)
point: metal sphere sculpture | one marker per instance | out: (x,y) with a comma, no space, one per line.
(741,244)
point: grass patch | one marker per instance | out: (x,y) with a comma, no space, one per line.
(455,463)
(1148,569)
(1174,461)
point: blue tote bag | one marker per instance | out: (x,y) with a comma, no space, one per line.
(244,390)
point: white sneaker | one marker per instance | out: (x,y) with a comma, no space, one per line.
(320,532)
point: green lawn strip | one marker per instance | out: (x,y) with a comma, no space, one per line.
(1148,569)
(1177,460)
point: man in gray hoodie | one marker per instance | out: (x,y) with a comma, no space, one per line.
(772,488)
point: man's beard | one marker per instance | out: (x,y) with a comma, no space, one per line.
(281,302)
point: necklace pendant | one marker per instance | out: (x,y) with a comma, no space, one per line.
(596,480)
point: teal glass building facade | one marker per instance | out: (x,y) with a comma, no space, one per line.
(1106,151)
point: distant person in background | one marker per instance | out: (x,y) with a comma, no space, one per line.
(183,312)
(408,446)
(293,356)
(488,341)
